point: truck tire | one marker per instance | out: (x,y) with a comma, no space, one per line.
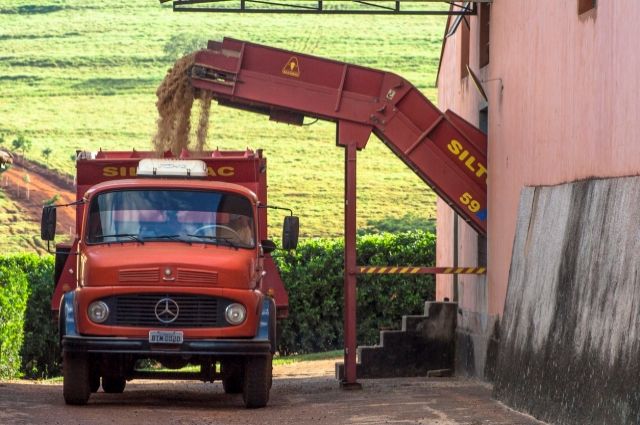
(233,384)
(76,387)
(113,384)
(257,381)
(233,376)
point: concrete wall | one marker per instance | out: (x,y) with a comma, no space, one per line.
(563,105)
(570,347)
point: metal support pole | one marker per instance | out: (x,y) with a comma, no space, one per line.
(349,381)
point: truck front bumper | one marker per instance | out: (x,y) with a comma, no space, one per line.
(222,347)
(262,344)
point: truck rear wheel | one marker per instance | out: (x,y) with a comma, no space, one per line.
(76,387)
(257,381)
(113,384)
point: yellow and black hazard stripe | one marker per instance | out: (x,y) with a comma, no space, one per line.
(389,270)
(421,270)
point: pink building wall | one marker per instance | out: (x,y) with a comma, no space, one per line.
(564,104)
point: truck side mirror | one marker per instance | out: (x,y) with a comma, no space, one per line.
(290,230)
(268,246)
(48,223)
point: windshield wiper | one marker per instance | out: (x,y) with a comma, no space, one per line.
(172,237)
(131,236)
(216,239)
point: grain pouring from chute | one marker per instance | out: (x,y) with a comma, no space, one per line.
(175,101)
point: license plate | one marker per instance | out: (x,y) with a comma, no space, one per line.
(165,337)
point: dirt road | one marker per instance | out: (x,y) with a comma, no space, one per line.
(302,393)
(41,188)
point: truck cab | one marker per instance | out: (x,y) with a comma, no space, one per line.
(169,266)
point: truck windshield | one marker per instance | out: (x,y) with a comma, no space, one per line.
(171,215)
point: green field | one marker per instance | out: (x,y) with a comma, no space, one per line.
(82,75)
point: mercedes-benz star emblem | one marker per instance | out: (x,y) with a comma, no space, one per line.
(167,310)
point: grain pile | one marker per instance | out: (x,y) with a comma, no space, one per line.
(175,101)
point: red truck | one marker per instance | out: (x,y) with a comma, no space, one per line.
(170,263)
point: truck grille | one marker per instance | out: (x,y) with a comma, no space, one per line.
(195,311)
(151,274)
(197,276)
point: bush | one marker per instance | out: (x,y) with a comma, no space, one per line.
(40,351)
(313,276)
(14,291)
(39,355)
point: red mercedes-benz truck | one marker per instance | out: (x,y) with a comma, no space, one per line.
(170,262)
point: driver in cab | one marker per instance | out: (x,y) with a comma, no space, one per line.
(241,225)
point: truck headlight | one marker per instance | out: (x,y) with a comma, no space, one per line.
(98,311)
(235,313)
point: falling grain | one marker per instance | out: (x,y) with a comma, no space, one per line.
(175,101)
(203,122)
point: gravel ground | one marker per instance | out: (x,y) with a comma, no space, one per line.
(302,393)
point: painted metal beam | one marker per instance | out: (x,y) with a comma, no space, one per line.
(325,7)
(420,270)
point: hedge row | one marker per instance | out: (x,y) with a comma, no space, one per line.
(312,275)
(28,336)
(14,292)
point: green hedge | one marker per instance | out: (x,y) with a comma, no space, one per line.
(40,351)
(14,291)
(313,275)
(29,288)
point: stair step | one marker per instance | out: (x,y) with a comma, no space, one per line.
(424,347)
(414,323)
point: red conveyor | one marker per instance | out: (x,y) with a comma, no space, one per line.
(446,151)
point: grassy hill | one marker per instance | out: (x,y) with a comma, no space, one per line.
(18,234)
(82,75)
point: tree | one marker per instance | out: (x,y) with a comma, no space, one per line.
(17,143)
(46,152)
(26,146)
(21,143)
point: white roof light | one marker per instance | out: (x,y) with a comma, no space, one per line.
(172,167)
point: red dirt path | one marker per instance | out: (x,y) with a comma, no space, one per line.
(41,189)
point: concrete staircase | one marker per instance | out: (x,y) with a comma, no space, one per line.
(425,346)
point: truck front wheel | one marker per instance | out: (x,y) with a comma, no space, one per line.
(76,387)
(257,381)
